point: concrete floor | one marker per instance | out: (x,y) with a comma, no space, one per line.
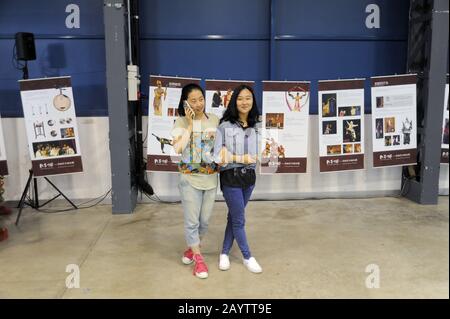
(308,249)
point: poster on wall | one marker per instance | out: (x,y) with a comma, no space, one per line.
(285,119)
(3,163)
(218,94)
(51,125)
(394,120)
(445,128)
(341,125)
(164,97)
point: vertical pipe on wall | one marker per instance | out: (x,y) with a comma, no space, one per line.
(272,40)
(130,54)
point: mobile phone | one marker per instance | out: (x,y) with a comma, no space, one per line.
(186,105)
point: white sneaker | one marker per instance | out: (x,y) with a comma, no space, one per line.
(253,265)
(224,262)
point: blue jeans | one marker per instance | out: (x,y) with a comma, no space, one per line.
(237,199)
(197,207)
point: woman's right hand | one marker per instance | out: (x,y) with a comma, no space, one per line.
(190,114)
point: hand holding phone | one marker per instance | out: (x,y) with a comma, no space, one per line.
(188,110)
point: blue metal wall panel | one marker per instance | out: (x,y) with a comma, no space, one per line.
(227,59)
(194,18)
(223,39)
(47,17)
(338,59)
(340,19)
(84,60)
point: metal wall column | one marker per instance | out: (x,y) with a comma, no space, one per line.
(432,69)
(121,120)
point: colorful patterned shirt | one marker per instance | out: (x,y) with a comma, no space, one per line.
(197,160)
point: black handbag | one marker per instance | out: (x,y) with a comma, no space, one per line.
(241,177)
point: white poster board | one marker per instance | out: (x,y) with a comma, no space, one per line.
(51,125)
(3,163)
(165,94)
(341,125)
(285,125)
(219,93)
(394,120)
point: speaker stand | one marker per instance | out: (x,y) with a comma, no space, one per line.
(34,203)
(25,71)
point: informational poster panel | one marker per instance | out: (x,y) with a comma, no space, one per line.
(218,94)
(285,120)
(3,163)
(445,129)
(51,125)
(394,120)
(341,125)
(165,94)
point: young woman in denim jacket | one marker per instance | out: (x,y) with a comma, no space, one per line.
(236,153)
(194,135)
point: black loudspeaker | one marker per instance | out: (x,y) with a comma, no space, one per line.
(25,48)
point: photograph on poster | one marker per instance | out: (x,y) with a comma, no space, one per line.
(329,127)
(61,102)
(39,110)
(163,141)
(349,111)
(389,125)
(407,127)
(445,132)
(329,103)
(348,148)
(39,130)
(217,99)
(275,120)
(379,133)
(273,149)
(172,112)
(351,131)
(66,121)
(296,98)
(396,140)
(388,141)
(334,149)
(54,148)
(67,132)
(160,94)
(380,101)
(227,97)
(357,148)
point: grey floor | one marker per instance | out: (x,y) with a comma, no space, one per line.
(308,249)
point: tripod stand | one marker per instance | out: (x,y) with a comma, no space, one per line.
(34,203)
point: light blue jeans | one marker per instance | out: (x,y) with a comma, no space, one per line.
(197,206)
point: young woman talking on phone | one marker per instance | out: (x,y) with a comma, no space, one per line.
(236,153)
(194,136)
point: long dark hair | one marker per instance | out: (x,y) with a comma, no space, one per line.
(231,114)
(187,89)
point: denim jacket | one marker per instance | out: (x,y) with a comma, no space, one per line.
(237,141)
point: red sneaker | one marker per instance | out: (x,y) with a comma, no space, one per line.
(5,210)
(188,257)
(3,234)
(200,268)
